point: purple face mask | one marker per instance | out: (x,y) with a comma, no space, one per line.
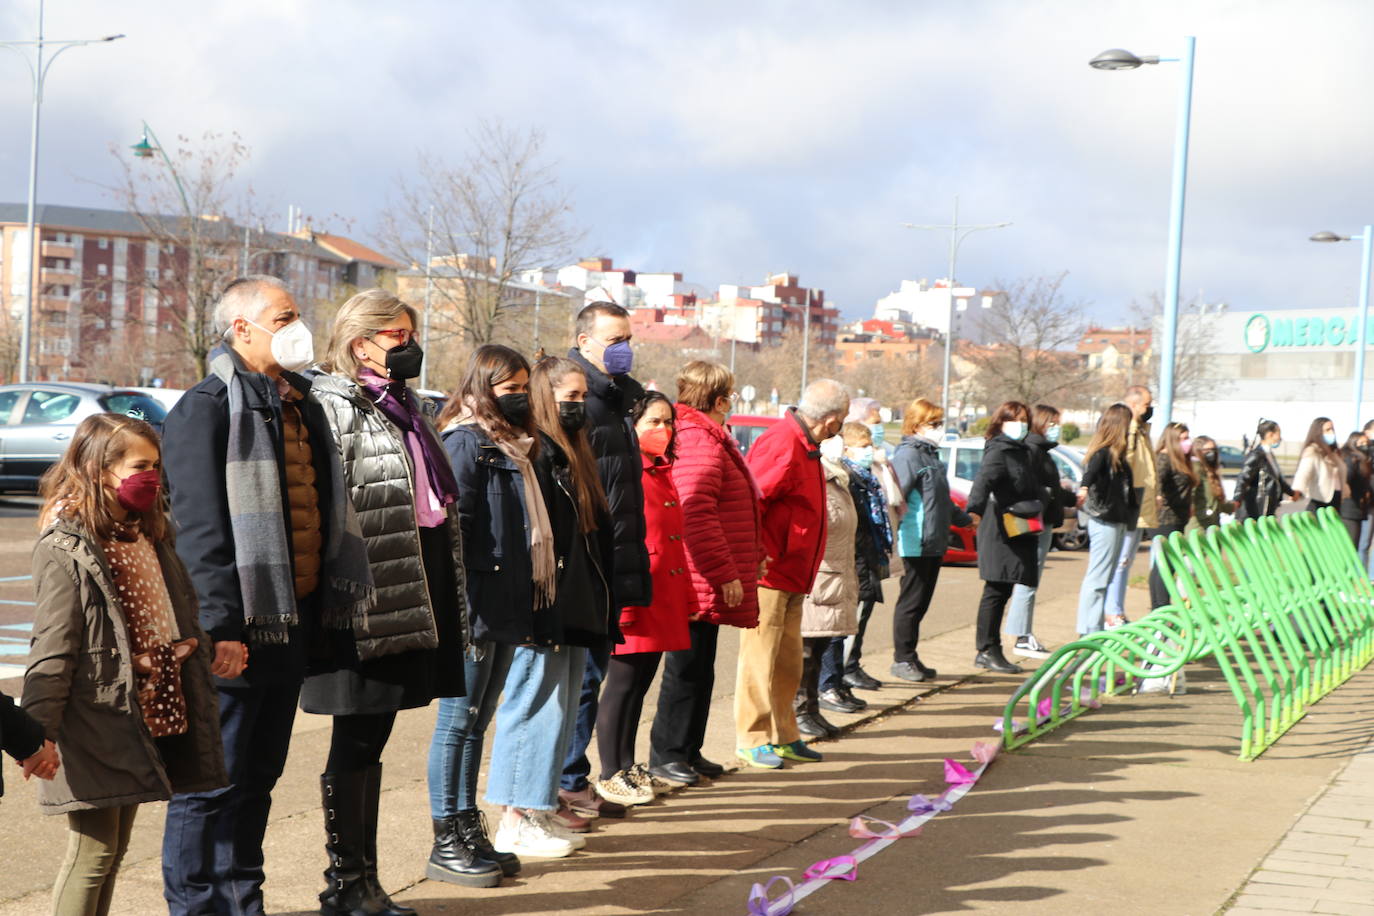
(618,358)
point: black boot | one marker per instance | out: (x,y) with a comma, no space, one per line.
(471,827)
(372,799)
(348,892)
(810,722)
(456,862)
(993,660)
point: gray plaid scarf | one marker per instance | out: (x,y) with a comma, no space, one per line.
(262,546)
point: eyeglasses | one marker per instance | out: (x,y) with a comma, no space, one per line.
(402,336)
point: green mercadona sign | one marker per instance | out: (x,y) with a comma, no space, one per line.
(1263,332)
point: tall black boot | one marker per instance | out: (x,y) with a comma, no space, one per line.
(810,722)
(471,827)
(456,862)
(372,798)
(347,893)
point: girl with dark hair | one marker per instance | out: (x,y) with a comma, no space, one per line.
(511,564)
(1177,481)
(1043,438)
(1355,503)
(1108,500)
(1260,485)
(1209,496)
(119,669)
(649,631)
(1006,499)
(1321,472)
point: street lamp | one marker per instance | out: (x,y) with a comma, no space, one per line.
(1363,319)
(1117,59)
(144,149)
(38,72)
(957,234)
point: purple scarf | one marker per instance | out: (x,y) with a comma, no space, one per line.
(397,404)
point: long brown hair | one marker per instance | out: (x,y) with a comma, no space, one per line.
(74,488)
(1113,428)
(1200,445)
(1043,417)
(1316,439)
(491,365)
(1170,447)
(549,374)
(1008,411)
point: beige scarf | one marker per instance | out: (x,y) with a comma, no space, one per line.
(541,531)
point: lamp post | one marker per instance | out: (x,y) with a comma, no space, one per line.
(38,71)
(1117,59)
(957,234)
(1367,262)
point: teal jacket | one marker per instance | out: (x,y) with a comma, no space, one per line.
(924,529)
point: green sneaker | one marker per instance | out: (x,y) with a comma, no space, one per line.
(761,756)
(797,750)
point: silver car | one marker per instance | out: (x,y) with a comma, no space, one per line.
(37,420)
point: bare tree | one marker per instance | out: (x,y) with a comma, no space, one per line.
(1194,344)
(1030,354)
(779,366)
(190,205)
(498,212)
(897,382)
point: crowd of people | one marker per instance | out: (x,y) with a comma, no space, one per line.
(305,535)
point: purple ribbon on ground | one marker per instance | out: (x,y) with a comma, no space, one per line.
(760,904)
(919,804)
(859,829)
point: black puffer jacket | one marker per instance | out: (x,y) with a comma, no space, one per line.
(616,447)
(1056,498)
(1175,492)
(1006,477)
(1259,485)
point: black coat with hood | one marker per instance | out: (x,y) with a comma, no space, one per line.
(1007,477)
(1056,498)
(612,435)
(582,602)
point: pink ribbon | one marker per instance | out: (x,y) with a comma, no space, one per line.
(919,804)
(985,751)
(848,869)
(956,774)
(760,904)
(859,829)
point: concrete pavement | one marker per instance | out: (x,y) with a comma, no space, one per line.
(1138,807)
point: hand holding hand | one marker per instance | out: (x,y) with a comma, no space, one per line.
(231,657)
(44,763)
(977,519)
(733,593)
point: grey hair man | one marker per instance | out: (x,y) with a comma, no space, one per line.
(257,507)
(1140,455)
(786,464)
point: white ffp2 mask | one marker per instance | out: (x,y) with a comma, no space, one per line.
(293,346)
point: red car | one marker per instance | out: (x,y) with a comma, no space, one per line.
(747,427)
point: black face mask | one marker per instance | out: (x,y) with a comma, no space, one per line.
(1210,458)
(1147,413)
(515,408)
(404,362)
(572,415)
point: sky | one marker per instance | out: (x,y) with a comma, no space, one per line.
(730,140)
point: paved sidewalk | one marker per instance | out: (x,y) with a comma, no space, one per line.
(1325,864)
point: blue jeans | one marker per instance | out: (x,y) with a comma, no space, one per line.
(534,726)
(1366,534)
(576,766)
(1121,573)
(1021,613)
(1104,553)
(455,751)
(212,860)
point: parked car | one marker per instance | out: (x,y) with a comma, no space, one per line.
(37,420)
(1231,457)
(167,397)
(748,427)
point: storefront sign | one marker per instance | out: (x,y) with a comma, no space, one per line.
(1263,332)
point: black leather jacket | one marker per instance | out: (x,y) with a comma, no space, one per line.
(1260,485)
(1112,496)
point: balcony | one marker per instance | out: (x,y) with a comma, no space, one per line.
(53,304)
(59,250)
(61,275)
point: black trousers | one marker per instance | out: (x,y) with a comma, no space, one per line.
(684,698)
(358,740)
(990,610)
(622,701)
(919,575)
(1159,595)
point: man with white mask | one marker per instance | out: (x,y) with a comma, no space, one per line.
(258,503)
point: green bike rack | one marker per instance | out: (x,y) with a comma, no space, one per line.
(1283,607)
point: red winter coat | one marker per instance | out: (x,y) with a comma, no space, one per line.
(661,627)
(721,507)
(787,466)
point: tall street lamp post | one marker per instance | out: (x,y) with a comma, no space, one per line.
(957,234)
(1367,262)
(1117,59)
(38,71)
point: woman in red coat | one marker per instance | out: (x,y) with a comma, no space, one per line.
(649,631)
(724,540)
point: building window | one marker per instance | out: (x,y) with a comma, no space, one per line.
(102,269)
(100,296)
(150,273)
(102,243)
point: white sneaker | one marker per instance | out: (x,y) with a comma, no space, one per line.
(529,835)
(563,833)
(1030,647)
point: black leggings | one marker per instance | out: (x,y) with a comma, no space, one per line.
(622,701)
(1159,592)
(358,740)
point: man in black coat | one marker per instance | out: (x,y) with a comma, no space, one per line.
(602,349)
(212,860)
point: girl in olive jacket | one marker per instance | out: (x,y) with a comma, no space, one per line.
(119,671)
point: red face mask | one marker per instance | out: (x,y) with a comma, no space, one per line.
(654,442)
(138,492)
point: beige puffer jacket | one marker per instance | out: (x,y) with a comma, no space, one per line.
(832,608)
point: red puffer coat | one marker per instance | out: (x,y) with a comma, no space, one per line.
(787,465)
(720,503)
(661,627)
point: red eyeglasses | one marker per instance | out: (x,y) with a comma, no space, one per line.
(402,336)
